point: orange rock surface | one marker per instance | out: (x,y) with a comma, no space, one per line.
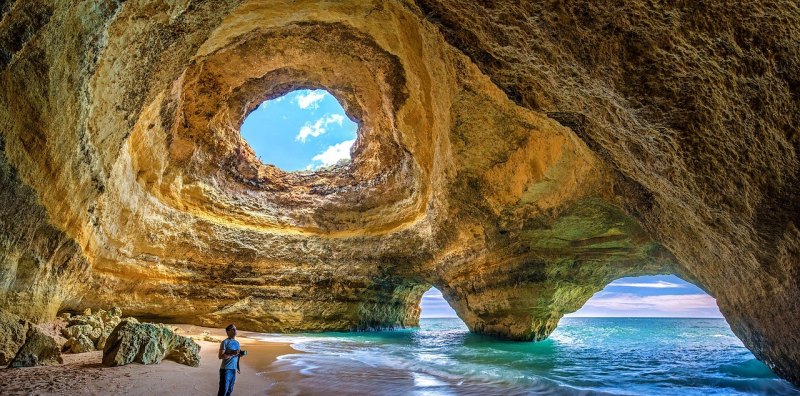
(517,157)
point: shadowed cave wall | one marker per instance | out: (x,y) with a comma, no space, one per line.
(517,157)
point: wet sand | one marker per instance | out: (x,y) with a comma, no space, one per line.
(83,374)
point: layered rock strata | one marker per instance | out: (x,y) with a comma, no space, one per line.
(518,156)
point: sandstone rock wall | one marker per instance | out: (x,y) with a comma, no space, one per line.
(518,156)
(695,105)
(40,266)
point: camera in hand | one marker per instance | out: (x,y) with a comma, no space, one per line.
(234,351)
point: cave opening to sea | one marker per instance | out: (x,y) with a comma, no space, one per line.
(650,296)
(660,335)
(434,306)
(303,130)
(652,328)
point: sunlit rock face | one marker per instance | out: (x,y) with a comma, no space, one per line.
(519,158)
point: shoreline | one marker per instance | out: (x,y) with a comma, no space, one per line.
(83,373)
(407,363)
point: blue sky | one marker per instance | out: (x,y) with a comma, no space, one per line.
(302,130)
(642,296)
(434,305)
(650,296)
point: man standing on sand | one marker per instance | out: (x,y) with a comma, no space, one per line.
(229,353)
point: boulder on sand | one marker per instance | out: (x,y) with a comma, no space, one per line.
(92,329)
(13,332)
(148,343)
(73,331)
(23,344)
(39,349)
(79,344)
(101,342)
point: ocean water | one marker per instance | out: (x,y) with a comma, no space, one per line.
(584,356)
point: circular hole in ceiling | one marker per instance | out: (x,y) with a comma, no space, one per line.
(304,130)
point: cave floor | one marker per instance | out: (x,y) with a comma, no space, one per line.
(83,373)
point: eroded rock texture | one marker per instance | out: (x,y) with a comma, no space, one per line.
(148,343)
(39,349)
(88,332)
(517,157)
(23,344)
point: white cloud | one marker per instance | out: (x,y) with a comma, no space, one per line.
(334,154)
(626,304)
(673,302)
(318,127)
(310,99)
(649,285)
(337,118)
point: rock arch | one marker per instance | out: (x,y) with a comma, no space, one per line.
(518,157)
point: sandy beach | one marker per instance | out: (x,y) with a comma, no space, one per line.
(83,374)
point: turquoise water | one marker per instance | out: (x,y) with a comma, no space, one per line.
(618,356)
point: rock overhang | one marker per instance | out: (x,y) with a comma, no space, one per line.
(174,192)
(460,178)
(186,153)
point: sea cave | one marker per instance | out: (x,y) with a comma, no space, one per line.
(517,156)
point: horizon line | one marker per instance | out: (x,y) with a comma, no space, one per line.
(646,317)
(603,317)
